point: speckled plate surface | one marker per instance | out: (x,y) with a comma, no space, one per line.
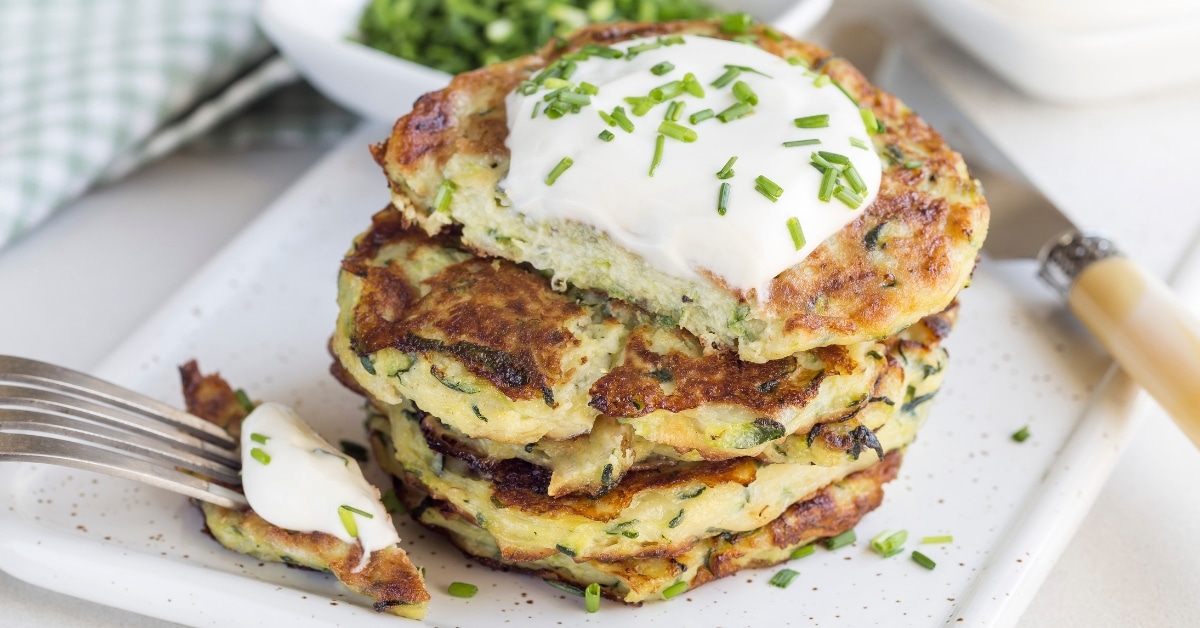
(263,309)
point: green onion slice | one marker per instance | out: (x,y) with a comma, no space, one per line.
(855,180)
(822,80)
(588,88)
(923,560)
(803,551)
(783,578)
(848,197)
(828,183)
(813,122)
(260,455)
(937,540)
(662,68)
(769,188)
(618,115)
(701,116)
(658,153)
(726,78)
(667,91)
(677,131)
(794,143)
(692,86)
(563,164)
(738,110)
(606,135)
(726,171)
(841,540)
(736,23)
(348,521)
(743,92)
(675,110)
(259,438)
(1021,435)
(723,199)
(591,597)
(445,194)
(888,543)
(609,120)
(857,143)
(869,121)
(462,589)
(793,225)
(244,400)
(563,586)
(673,590)
(834,158)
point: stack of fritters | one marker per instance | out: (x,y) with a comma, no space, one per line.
(672,435)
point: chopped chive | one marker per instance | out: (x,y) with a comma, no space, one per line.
(536,106)
(259,438)
(701,116)
(569,69)
(667,91)
(743,92)
(357,511)
(618,115)
(634,51)
(589,89)
(822,80)
(556,110)
(553,94)
(761,189)
(746,68)
(528,88)
(391,502)
(888,543)
(674,110)
(673,590)
(769,187)
(828,182)
(936,540)
(736,23)
(354,450)
(462,589)
(606,135)
(793,225)
(848,197)
(591,597)
(641,105)
(726,78)
(348,522)
(1021,435)
(795,143)
(794,60)
(803,551)
(260,455)
(692,86)
(857,143)
(673,40)
(662,68)
(834,158)
(244,400)
(813,122)
(658,152)
(563,164)
(726,171)
(575,99)
(445,194)
(854,179)
(868,118)
(556,83)
(913,164)
(738,110)
(822,162)
(841,540)
(783,578)
(563,586)
(923,560)
(607,118)
(723,199)
(597,50)
(677,131)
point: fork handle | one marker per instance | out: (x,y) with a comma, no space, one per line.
(1149,332)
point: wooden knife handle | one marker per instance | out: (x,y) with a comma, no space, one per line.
(1149,332)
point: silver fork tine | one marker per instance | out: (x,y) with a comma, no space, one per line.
(22,370)
(58,403)
(38,421)
(45,449)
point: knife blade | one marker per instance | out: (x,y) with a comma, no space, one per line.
(1144,326)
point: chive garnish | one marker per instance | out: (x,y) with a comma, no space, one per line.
(357,511)
(444,195)
(244,400)
(259,438)
(462,589)
(746,68)
(607,118)
(726,78)
(662,68)
(641,104)
(841,540)
(692,86)
(868,118)
(923,560)
(847,197)
(701,116)
(677,131)
(673,590)
(793,225)
(888,543)
(1021,435)
(667,91)
(828,183)
(854,179)
(536,106)
(803,551)
(813,122)
(783,578)
(913,164)
(738,110)
(794,60)
(658,151)
(348,521)
(822,80)
(618,116)
(674,110)
(822,163)
(834,158)
(597,50)
(591,597)
(568,69)
(768,188)
(562,586)
(563,164)
(589,89)
(606,135)
(726,171)
(743,92)
(935,540)
(857,143)
(795,143)
(672,40)
(723,199)
(556,83)
(736,23)
(634,51)
(260,455)
(572,98)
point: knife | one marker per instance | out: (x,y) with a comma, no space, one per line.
(1144,326)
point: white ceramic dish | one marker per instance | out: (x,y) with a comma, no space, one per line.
(261,312)
(1040,49)
(315,36)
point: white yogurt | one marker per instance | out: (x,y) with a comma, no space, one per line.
(671,219)
(305,481)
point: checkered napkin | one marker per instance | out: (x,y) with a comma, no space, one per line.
(90,89)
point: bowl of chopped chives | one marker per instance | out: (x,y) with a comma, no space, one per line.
(376,57)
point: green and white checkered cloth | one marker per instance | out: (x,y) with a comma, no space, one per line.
(90,89)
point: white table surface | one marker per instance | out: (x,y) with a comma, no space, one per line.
(77,286)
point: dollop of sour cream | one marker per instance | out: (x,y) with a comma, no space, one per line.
(297,481)
(671,218)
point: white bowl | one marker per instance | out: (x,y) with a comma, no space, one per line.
(315,36)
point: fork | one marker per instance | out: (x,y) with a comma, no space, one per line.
(53,415)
